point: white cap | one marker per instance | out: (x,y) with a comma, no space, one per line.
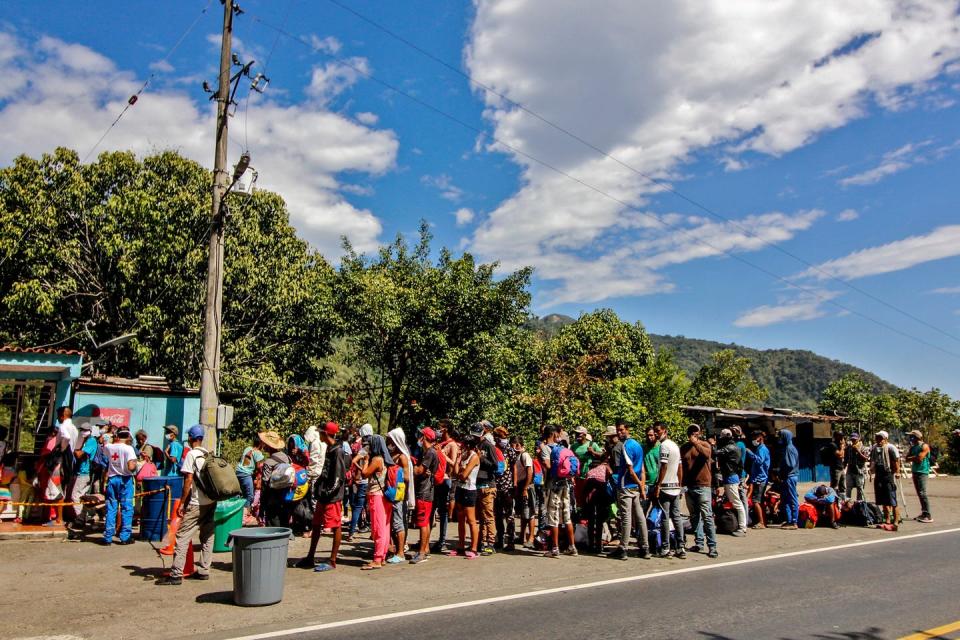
(884,435)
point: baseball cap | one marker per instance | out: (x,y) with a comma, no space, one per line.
(331,428)
(476,429)
(737,430)
(854,436)
(611,430)
(196,431)
(172,428)
(428,434)
(883,434)
(726,433)
(487,425)
(580,429)
(916,433)
(86,426)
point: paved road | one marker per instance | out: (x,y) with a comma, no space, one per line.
(882,591)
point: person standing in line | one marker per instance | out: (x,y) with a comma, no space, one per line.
(329,489)
(172,450)
(885,464)
(738,439)
(84,454)
(381,510)
(731,469)
(486,486)
(919,459)
(557,497)
(696,473)
(196,511)
(424,484)
(526,497)
(361,485)
(836,451)
(249,467)
(465,501)
(759,476)
(121,466)
(651,462)
(506,523)
(447,448)
(667,492)
(789,471)
(630,496)
(855,458)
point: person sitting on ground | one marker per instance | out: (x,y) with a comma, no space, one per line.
(824,498)
(328,493)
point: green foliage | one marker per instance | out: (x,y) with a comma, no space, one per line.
(726,382)
(848,396)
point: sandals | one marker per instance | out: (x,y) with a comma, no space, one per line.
(324,566)
(371,567)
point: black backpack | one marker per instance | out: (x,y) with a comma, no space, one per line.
(858,515)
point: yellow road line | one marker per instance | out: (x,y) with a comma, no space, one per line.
(936,632)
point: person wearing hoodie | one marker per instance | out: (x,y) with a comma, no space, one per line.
(758,457)
(397,441)
(788,471)
(731,471)
(375,468)
(358,494)
(316,451)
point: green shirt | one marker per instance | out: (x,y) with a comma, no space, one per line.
(585,453)
(923,466)
(651,463)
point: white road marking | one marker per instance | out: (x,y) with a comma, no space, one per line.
(577,587)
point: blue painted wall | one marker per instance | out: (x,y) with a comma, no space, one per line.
(71,365)
(148,412)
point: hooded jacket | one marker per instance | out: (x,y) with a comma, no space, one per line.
(728,458)
(399,439)
(316,452)
(789,456)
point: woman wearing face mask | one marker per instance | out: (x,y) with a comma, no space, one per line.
(466,471)
(375,471)
(172,451)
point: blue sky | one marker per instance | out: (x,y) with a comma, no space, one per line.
(825,136)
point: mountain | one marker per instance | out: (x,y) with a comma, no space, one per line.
(794,378)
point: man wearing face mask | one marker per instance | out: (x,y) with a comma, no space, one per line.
(506,525)
(758,459)
(424,481)
(172,450)
(919,459)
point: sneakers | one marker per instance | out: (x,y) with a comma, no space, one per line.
(713,553)
(199,576)
(395,559)
(169,581)
(438,547)
(417,559)
(680,555)
(618,554)
(789,525)
(571,551)
(553,553)
(644,554)
(739,533)
(925,519)
(487,551)
(695,549)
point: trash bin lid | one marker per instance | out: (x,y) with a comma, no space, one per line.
(262,533)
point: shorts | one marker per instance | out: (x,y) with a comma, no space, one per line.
(466,497)
(424,511)
(527,506)
(558,503)
(886,490)
(328,516)
(398,519)
(758,492)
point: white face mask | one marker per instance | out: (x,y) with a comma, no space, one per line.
(756,443)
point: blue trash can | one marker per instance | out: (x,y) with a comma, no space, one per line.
(153,509)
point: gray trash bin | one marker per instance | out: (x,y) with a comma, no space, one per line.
(259,564)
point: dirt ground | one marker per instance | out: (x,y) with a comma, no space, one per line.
(84,590)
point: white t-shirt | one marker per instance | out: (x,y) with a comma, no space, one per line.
(670,455)
(69,433)
(118,455)
(192,463)
(524,462)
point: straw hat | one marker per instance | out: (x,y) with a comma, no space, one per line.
(272,439)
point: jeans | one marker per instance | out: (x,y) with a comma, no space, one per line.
(194,516)
(119,493)
(441,495)
(700,507)
(837,481)
(670,505)
(855,481)
(732,492)
(487,517)
(506,524)
(790,500)
(920,484)
(629,506)
(358,503)
(246,487)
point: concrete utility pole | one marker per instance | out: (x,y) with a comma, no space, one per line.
(210,374)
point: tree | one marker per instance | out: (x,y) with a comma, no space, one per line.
(848,396)
(726,382)
(121,242)
(421,334)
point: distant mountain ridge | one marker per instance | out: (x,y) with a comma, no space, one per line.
(795,378)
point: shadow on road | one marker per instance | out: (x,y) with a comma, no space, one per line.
(216,597)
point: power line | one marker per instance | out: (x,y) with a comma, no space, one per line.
(266,65)
(816,295)
(652,179)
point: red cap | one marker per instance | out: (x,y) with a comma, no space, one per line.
(331,429)
(429,434)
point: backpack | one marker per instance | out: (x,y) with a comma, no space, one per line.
(441,468)
(808,516)
(158,457)
(858,515)
(396,489)
(217,479)
(563,463)
(300,486)
(283,476)
(537,473)
(501,467)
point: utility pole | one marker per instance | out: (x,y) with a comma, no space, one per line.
(210,374)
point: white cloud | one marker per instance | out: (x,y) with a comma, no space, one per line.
(894,162)
(329,44)
(444,184)
(367,118)
(331,79)
(945,291)
(942,242)
(463,216)
(848,215)
(161,66)
(651,83)
(72,93)
(807,306)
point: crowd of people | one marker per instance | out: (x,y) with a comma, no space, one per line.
(483,491)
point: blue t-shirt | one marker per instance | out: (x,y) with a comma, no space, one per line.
(175,449)
(633,456)
(89,447)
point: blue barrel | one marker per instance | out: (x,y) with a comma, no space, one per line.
(153,510)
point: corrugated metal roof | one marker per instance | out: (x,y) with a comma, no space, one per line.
(759,413)
(143,383)
(47,351)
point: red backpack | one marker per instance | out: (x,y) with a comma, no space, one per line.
(441,467)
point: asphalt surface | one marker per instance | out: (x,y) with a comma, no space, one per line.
(882,591)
